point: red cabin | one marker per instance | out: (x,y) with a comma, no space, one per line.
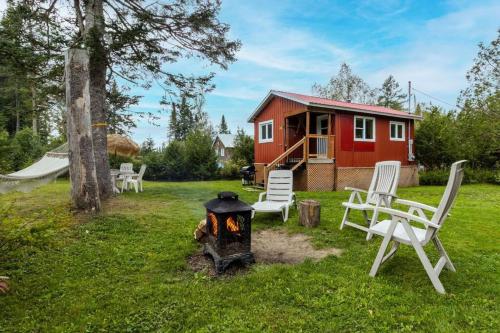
(330,144)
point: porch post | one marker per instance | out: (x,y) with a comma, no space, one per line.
(328,143)
(286,134)
(308,121)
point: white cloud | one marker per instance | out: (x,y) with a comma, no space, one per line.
(438,54)
(279,54)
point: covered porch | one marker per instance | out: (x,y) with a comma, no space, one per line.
(317,129)
(309,148)
(309,136)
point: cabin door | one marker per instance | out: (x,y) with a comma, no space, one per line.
(322,129)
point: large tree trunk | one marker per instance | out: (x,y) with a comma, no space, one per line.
(94,39)
(82,168)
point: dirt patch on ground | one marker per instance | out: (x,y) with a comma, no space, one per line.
(269,247)
(277,246)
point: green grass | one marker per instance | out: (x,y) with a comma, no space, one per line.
(126,270)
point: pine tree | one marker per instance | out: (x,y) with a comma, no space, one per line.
(140,38)
(147,146)
(223,128)
(185,121)
(391,95)
(31,66)
(120,118)
(173,130)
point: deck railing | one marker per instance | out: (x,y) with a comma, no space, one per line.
(320,146)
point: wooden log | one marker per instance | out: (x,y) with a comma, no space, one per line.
(82,170)
(201,230)
(309,213)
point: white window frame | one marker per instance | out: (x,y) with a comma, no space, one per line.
(266,123)
(221,152)
(364,129)
(397,123)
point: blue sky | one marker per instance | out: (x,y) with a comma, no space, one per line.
(289,45)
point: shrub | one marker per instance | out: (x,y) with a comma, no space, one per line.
(436,139)
(471,176)
(116,160)
(201,159)
(26,148)
(174,160)
(434,177)
(243,152)
(231,169)
(156,169)
(6,162)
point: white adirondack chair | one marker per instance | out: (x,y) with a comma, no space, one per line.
(279,194)
(135,180)
(384,181)
(399,230)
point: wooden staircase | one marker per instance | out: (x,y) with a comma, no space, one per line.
(286,161)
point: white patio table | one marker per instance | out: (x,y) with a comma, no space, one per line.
(115,174)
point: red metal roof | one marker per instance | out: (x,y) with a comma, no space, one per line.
(333,104)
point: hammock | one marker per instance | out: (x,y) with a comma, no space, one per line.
(53,164)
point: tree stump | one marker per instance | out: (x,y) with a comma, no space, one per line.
(309,213)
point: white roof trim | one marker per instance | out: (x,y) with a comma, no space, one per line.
(273,93)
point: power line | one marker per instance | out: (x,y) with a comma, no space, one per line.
(437,99)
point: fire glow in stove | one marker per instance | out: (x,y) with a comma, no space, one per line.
(229,231)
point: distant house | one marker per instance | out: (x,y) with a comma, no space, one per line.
(330,144)
(223,146)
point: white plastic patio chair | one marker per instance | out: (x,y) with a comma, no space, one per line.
(279,194)
(399,230)
(384,181)
(135,180)
(126,168)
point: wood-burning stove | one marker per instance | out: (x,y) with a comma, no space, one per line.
(228,230)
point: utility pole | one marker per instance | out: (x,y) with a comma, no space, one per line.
(409,96)
(410,140)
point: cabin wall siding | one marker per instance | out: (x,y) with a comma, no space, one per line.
(348,153)
(276,111)
(352,153)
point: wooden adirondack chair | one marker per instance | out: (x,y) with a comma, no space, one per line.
(399,230)
(279,194)
(384,181)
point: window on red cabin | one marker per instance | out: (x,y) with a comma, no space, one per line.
(266,131)
(397,131)
(364,128)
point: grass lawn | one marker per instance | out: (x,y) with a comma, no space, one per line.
(126,269)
